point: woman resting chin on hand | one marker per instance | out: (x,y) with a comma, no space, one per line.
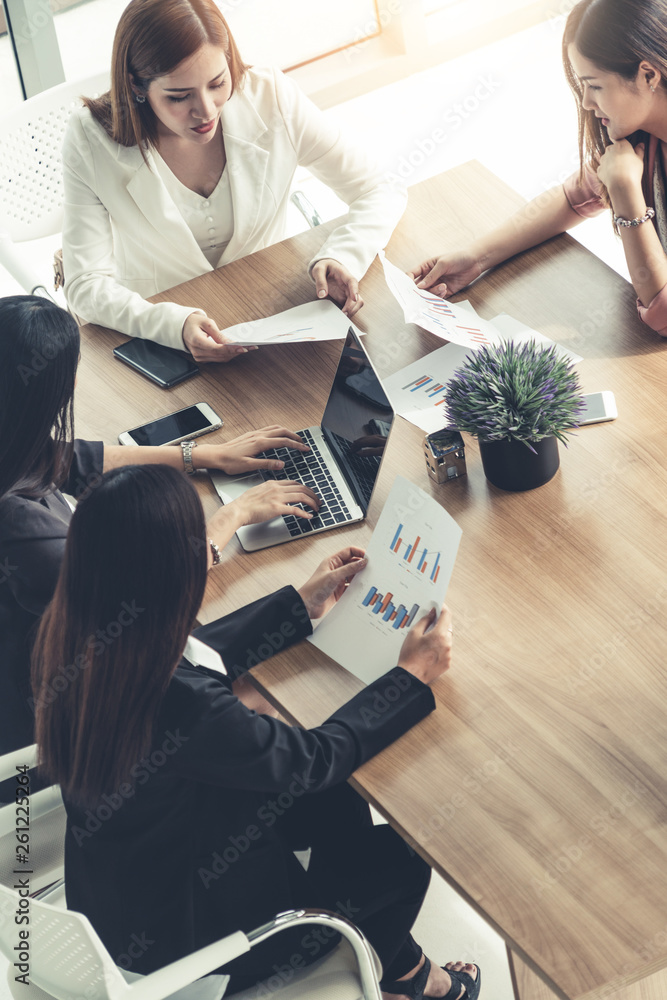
(614,55)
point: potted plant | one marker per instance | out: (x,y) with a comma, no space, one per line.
(517,400)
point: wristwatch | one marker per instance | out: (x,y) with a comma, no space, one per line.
(187,447)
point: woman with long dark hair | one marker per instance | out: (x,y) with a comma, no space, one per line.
(39,460)
(186,164)
(184,807)
(615,59)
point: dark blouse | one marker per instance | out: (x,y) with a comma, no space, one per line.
(32,543)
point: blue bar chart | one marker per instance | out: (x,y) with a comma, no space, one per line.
(430,386)
(383,606)
(409,562)
(411,548)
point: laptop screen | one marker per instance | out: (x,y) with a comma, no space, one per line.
(357,420)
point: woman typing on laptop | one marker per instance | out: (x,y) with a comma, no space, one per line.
(195,845)
(39,353)
(186,164)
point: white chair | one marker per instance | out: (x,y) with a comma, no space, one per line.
(67,960)
(31,190)
(47,821)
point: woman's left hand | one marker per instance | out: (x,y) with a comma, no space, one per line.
(329,580)
(238,455)
(622,166)
(334,280)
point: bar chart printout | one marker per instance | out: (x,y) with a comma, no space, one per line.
(380,604)
(420,565)
(410,561)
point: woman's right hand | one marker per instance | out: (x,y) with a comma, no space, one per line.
(206,342)
(427,648)
(274,498)
(447,274)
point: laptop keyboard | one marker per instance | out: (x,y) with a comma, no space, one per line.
(310,469)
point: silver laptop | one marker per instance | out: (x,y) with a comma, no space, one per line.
(343,464)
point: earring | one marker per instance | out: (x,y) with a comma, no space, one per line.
(141,98)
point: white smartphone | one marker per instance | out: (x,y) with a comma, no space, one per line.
(599,406)
(190,422)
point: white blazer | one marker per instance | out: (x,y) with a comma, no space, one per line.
(124,238)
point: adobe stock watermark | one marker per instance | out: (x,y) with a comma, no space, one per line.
(600,825)
(371,28)
(95,644)
(137,947)
(313,943)
(40,17)
(471,785)
(40,360)
(618,640)
(140,773)
(7,569)
(453,118)
(267,815)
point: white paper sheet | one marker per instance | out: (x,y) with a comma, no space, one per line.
(513,329)
(410,561)
(316,320)
(417,391)
(439,316)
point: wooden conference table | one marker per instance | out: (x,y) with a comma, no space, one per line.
(539,787)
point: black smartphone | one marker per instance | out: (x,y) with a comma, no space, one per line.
(162,365)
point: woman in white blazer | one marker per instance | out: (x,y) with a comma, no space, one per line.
(186,164)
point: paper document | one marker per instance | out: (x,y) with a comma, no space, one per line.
(513,329)
(410,561)
(318,320)
(417,391)
(439,316)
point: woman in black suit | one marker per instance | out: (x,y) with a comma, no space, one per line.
(184,806)
(39,461)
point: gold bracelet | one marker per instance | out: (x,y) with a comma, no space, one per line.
(215,551)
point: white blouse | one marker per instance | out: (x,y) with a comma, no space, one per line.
(199,654)
(211,220)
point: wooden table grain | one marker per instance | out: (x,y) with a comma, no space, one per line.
(539,787)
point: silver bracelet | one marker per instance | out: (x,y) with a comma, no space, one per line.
(215,552)
(187,447)
(620,221)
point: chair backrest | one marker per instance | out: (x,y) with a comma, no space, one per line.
(31,191)
(64,956)
(43,827)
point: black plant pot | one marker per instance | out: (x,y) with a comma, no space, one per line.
(511,465)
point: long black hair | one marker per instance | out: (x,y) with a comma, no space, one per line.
(615,35)
(130,586)
(39,352)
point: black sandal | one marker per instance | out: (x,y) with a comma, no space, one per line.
(414,988)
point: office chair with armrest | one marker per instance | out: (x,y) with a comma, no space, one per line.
(46,830)
(31,190)
(67,961)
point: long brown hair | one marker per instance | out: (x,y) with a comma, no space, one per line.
(130,585)
(616,35)
(152,38)
(39,354)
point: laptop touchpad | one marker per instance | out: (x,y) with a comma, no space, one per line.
(229,488)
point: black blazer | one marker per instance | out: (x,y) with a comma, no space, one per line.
(190,854)
(32,543)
